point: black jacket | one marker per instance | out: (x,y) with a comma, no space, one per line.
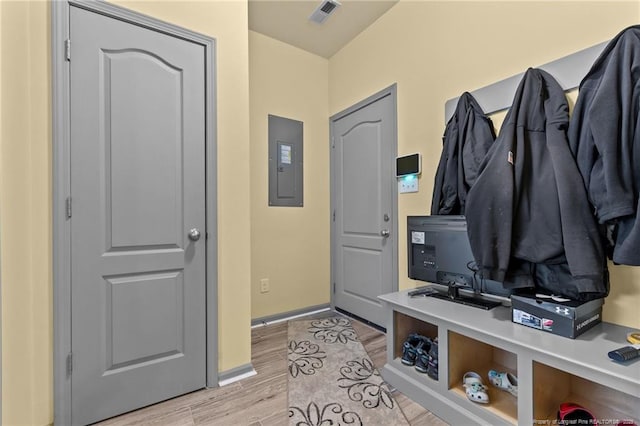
(529,220)
(605,139)
(467,138)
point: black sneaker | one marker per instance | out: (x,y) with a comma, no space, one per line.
(410,347)
(432,365)
(422,355)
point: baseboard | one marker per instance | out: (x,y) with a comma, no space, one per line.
(236,374)
(362,320)
(285,316)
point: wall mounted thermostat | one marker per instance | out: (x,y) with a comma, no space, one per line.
(408,167)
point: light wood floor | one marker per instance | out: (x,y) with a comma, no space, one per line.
(260,400)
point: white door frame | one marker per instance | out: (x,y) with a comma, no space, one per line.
(389,91)
(61,190)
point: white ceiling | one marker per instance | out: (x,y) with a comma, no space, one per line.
(287,21)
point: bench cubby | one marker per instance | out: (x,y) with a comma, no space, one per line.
(553,387)
(467,354)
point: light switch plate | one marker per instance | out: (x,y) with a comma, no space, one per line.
(407,185)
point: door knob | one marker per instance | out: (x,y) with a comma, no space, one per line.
(194,234)
(385,233)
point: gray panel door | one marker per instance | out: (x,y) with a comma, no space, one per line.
(137,188)
(363,153)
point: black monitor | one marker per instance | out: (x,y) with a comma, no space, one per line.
(439,252)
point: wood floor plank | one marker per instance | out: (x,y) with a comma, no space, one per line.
(243,407)
(267,368)
(411,409)
(428,419)
(154,415)
(276,419)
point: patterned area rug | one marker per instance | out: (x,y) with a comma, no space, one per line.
(332,380)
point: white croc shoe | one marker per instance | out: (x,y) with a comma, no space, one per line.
(474,388)
(505,381)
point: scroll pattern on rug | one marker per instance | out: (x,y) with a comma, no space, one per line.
(332,380)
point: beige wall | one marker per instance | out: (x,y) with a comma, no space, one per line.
(25,210)
(25,204)
(437,50)
(289,245)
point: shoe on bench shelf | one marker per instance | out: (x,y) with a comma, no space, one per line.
(505,381)
(474,388)
(422,355)
(410,348)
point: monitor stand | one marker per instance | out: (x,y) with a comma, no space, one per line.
(453,295)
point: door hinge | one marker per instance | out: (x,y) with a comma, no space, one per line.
(67,49)
(334,287)
(334,215)
(68,207)
(69,364)
(333,142)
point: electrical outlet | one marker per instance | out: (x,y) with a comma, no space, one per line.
(264,285)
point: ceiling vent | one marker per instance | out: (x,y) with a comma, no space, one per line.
(322,12)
